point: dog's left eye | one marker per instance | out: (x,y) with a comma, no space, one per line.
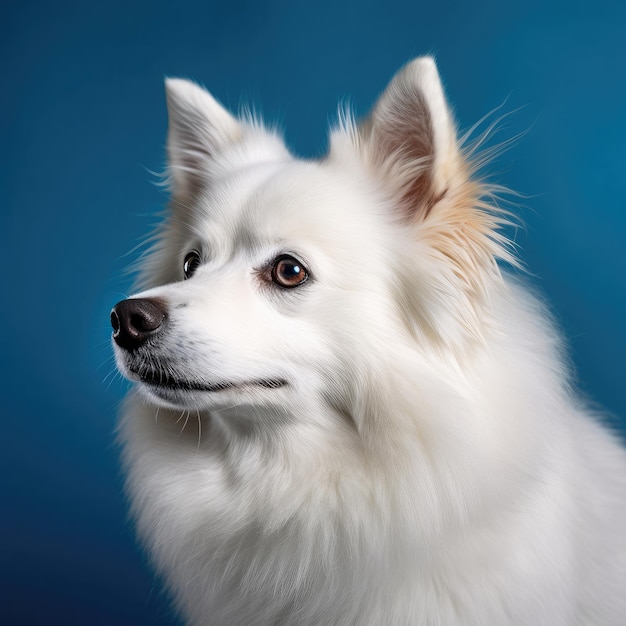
(288,272)
(191,263)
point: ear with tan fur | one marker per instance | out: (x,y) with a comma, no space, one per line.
(409,141)
(410,136)
(199,127)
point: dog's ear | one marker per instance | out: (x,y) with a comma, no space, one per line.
(410,137)
(409,142)
(199,127)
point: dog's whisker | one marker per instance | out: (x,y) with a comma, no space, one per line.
(199,429)
(182,430)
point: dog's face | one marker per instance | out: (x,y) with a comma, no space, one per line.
(269,283)
(276,279)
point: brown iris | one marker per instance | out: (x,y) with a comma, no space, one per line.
(288,272)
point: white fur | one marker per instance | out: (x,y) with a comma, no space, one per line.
(427,461)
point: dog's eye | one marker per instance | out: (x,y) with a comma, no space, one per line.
(191,263)
(288,272)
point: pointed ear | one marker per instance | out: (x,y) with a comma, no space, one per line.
(410,137)
(199,127)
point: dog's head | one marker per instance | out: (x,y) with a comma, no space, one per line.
(278,277)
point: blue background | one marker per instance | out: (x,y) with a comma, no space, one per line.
(83,120)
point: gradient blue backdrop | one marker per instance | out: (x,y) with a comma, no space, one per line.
(83,119)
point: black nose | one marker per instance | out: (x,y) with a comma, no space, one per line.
(136,319)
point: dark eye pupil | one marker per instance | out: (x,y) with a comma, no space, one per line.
(289,270)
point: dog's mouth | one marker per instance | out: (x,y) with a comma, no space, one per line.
(163,380)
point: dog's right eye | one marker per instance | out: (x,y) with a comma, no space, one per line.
(191,263)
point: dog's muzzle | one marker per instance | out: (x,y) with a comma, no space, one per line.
(137,319)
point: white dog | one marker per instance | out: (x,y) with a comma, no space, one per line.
(345,414)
